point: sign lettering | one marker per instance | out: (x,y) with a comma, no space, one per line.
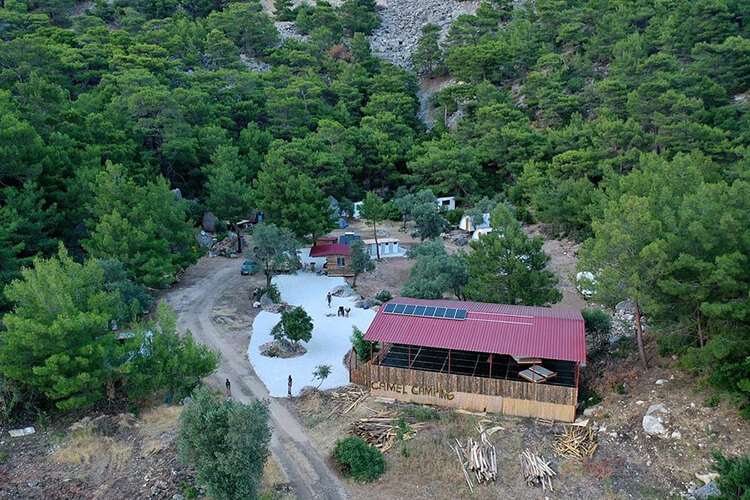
(416,390)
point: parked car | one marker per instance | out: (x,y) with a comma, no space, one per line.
(249,267)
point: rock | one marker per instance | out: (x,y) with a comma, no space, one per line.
(383,232)
(209,222)
(177,496)
(589,412)
(461,241)
(707,477)
(367,303)
(661,381)
(653,426)
(676,435)
(344,291)
(653,423)
(656,408)
(709,490)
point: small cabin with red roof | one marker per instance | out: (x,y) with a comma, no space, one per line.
(509,359)
(337,258)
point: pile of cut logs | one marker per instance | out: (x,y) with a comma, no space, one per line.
(576,441)
(536,470)
(382,429)
(477,457)
(346,400)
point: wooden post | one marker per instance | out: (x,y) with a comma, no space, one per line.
(578,369)
(449,361)
(491,365)
(408,359)
(370,352)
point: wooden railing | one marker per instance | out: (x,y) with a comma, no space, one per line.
(366,373)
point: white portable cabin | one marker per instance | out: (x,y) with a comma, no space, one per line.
(357,207)
(389,247)
(481,232)
(467,225)
(446,203)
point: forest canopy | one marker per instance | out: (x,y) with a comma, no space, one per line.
(122,122)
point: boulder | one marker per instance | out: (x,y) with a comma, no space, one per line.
(707,477)
(367,303)
(344,291)
(265,300)
(653,421)
(709,490)
(209,222)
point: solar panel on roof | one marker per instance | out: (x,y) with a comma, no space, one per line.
(425,311)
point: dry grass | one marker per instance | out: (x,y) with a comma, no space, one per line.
(154,424)
(84,447)
(160,419)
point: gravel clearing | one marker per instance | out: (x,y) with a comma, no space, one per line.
(330,339)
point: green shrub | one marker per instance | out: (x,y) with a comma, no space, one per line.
(273,293)
(384,296)
(362,346)
(392,212)
(674,344)
(453,216)
(712,401)
(734,481)
(588,398)
(358,460)
(421,413)
(598,324)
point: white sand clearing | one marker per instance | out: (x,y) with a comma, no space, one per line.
(330,337)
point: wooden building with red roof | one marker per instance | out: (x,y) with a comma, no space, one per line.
(337,257)
(509,359)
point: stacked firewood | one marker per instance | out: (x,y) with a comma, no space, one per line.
(478,458)
(384,429)
(576,441)
(536,470)
(346,400)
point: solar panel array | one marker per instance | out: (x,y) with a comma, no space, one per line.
(425,311)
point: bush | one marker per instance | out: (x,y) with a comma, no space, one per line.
(454,216)
(362,346)
(384,296)
(392,212)
(358,460)
(226,442)
(598,325)
(273,293)
(734,481)
(674,344)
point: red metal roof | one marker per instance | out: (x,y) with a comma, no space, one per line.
(539,332)
(332,249)
(328,238)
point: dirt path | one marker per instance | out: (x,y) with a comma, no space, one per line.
(290,445)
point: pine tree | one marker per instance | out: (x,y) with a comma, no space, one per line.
(360,261)
(373,211)
(506,266)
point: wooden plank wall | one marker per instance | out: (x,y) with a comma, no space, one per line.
(367,372)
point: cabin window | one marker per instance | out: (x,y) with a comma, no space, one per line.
(340,261)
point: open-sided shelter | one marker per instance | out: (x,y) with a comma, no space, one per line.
(509,359)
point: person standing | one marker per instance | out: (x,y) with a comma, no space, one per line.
(289,387)
(229,389)
(328,298)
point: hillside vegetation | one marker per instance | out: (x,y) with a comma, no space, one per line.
(621,123)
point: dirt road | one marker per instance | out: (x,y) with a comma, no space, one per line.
(290,445)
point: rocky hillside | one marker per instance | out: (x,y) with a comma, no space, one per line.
(396,38)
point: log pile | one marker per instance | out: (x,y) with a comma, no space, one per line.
(383,429)
(478,458)
(576,442)
(346,400)
(536,470)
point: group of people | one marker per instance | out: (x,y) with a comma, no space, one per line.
(341,311)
